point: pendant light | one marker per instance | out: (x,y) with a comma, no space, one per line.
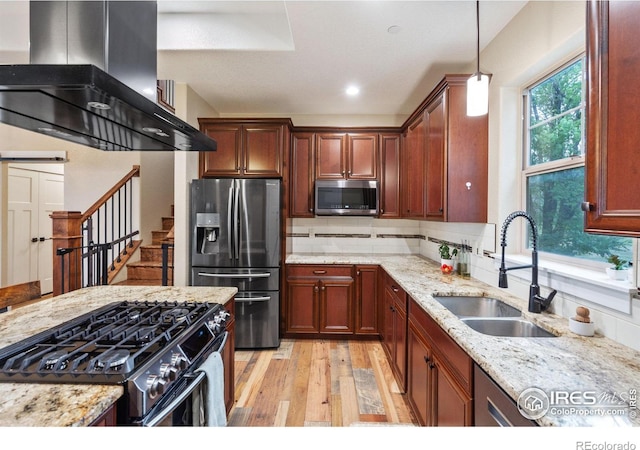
(478,83)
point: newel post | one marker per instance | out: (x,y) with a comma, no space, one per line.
(67,233)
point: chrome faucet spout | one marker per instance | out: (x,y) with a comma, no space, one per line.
(537,303)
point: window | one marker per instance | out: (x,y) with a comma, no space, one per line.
(554,168)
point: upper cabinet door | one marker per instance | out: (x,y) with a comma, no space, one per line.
(330,159)
(362,156)
(263,147)
(435,158)
(347,156)
(246,147)
(226,160)
(612,203)
(301,176)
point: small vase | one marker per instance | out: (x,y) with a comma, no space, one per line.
(618,275)
(446,266)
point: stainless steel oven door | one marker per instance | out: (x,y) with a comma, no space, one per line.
(179,406)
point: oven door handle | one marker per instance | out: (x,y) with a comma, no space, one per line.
(152,422)
(177,401)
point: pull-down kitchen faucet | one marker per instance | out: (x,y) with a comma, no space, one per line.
(537,303)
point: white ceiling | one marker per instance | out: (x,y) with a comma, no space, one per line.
(288,58)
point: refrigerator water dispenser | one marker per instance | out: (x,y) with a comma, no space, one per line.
(208,233)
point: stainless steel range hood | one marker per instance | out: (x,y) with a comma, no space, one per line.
(92,79)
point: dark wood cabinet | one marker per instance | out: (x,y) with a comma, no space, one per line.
(107,419)
(445,158)
(439,373)
(302,175)
(394,335)
(390,176)
(435,162)
(413,169)
(612,203)
(247,148)
(457,156)
(366,300)
(347,156)
(319,300)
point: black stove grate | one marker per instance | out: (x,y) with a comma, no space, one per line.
(102,346)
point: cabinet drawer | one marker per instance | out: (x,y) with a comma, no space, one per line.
(305,271)
(452,355)
(394,287)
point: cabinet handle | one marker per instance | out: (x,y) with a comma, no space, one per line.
(319,272)
(587,206)
(35,239)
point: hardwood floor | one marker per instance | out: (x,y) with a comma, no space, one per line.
(307,383)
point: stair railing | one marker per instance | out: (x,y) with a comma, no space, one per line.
(90,244)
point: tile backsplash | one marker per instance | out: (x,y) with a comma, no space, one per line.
(367,235)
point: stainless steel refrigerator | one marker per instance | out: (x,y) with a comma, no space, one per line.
(235,241)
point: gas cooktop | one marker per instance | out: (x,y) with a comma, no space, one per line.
(104,346)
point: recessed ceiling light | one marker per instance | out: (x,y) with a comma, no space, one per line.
(353,91)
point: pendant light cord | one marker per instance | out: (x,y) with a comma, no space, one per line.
(478,39)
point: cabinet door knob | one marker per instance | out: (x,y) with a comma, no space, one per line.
(431,365)
(315,288)
(426,359)
(587,206)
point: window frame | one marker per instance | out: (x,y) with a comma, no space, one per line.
(571,162)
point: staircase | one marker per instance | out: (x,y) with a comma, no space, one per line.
(148,270)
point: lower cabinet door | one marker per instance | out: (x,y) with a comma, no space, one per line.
(336,306)
(454,407)
(302,316)
(419,385)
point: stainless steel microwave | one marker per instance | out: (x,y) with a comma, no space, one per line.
(347,198)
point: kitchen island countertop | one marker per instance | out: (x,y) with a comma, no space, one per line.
(566,363)
(41,405)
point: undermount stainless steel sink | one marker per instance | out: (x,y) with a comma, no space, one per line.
(506,327)
(476,306)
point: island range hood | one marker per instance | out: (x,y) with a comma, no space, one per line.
(92,79)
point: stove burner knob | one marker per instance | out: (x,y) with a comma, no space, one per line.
(155,385)
(178,361)
(168,372)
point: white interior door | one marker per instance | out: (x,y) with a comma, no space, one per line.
(51,198)
(22,226)
(32,197)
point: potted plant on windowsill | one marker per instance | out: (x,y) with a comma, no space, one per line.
(446,258)
(618,269)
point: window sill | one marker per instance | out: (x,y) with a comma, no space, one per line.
(590,285)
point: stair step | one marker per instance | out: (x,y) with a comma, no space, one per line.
(158,236)
(153,253)
(147,271)
(167,223)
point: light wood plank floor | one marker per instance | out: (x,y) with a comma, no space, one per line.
(317,383)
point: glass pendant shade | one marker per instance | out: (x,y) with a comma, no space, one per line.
(477,95)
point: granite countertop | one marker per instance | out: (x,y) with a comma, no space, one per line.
(566,363)
(76,404)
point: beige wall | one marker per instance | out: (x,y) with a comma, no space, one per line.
(189,106)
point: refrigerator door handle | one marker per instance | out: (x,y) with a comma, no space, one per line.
(252,299)
(234,275)
(236,219)
(229,222)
